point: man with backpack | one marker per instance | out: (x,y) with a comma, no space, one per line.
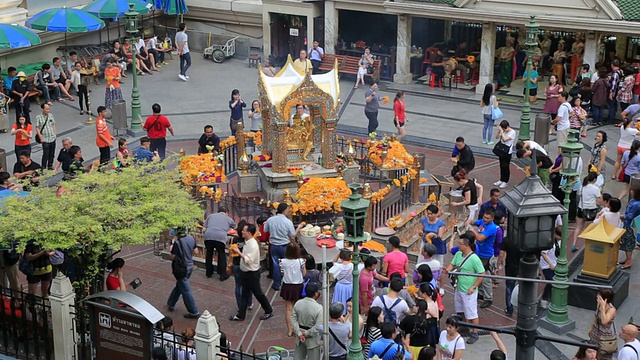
(182,266)
(387,348)
(393,307)
(466,293)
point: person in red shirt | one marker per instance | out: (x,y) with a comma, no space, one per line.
(400,116)
(104,140)
(23,131)
(115,279)
(156,126)
(636,89)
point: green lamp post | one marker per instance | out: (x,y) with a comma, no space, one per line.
(131,17)
(532,40)
(355,214)
(558,314)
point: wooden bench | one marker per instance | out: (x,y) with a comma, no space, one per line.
(348,65)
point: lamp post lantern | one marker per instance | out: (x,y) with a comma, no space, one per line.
(532,210)
(558,314)
(355,215)
(131,17)
(532,40)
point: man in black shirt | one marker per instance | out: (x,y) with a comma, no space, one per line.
(510,256)
(461,57)
(64,159)
(464,159)
(543,162)
(208,141)
(20,94)
(27,169)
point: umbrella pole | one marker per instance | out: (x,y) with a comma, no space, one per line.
(108,35)
(119,36)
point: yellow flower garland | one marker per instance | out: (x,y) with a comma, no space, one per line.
(321,194)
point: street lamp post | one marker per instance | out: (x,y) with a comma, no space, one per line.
(532,210)
(532,40)
(132,30)
(558,314)
(355,214)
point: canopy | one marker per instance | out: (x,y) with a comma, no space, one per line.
(14,36)
(174,7)
(65,20)
(106,9)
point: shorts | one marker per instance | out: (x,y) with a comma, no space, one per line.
(61,80)
(580,215)
(563,136)
(473,213)
(532,92)
(35,279)
(627,178)
(396,124)
(621,150)
(467,304)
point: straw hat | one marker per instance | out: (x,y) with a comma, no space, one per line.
(21,74)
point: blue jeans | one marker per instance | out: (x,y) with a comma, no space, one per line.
(236,276)
(487,129)
(510,284)
(185,63)
(45,93)
(598,113)
(159,145)
(613,108)
(277,253)
(183,288)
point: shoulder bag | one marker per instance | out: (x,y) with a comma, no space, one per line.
(178,265)
(453,279)
(501,149)
(588,214)
(38,139)
(337,340)
(496,113)
(608,343)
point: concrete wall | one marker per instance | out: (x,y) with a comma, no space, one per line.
(309,10)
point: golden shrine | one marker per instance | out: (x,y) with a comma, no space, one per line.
(293,135)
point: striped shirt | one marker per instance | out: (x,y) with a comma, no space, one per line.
(48,135)
(280,229)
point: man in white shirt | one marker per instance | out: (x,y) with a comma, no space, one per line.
(250,277)
(562,119)
(182,43)
(154,49)
(631,348)
(392,302)
(316,53)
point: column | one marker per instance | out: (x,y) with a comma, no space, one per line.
(280,152)
(487,54)
(240,142)
(207,337)
(329,144)
(268,132)
(62,298)
(330,27)
(591,49)
(403,51)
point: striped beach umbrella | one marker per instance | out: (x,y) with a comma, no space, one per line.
(175,7)
(106,9)
(65,20)
(14,36)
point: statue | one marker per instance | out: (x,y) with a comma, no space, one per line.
(449,66)
(300,133)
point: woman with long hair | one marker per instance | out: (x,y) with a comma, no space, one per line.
(471,195)
(433,231)
(122,156)
(587,206)
(363,66)
(343,289)
(507,136)
(585,353)
(23,131)
(599,154)
(451,344)
(627,136)
(418,326)
(628,240)
(367,275)
(115,279)
(400,116)
(552,92)
(603,319)
(488,101)
(292,270)
(631,163)
(236,104)
(371,331)
(578,116)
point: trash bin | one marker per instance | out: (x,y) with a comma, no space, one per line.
(541,133)
(3,160)
(119,116)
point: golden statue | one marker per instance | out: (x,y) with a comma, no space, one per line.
(449,66)
(300,135)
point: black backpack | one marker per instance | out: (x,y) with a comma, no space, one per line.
(178,265)
(389,314)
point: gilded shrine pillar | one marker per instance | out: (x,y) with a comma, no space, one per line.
(280,150)
(240,142)
(368,222)
(268,133)
(329,143)
(415,182)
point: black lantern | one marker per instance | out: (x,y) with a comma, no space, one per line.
(355,214)
(532,213)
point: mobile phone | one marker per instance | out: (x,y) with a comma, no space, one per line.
(455,228)
(135,283)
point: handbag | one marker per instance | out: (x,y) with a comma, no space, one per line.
(608,343)
(178,265)
(588,214)
(25,266)
(501,149)
(38,139)
(496,113)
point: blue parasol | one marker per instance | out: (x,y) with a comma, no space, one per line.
(14,36)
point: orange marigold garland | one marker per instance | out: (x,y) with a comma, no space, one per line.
(397,155)
(228,142)
(201,169)
(256,136)
(321,194)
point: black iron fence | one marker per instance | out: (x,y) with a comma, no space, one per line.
(83,349)
(394,203)
(175,346)
(230,160)
(25,325)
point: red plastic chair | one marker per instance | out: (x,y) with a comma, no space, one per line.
(427,58)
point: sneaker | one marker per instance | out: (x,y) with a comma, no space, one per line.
(497,183)
(266,316)
(187,76)
(236,318)
(182,77)
(192,316)
(503,185)
(486,304)
(170,308)
(484,141)
(544,304)
(490,143)
(165,63)
(224,277)
(506,312)
(472,339)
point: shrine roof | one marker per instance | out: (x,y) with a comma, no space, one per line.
(630,9)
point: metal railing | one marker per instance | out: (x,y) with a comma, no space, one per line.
(398,200)
(173,344)
(83,349)
(25,325)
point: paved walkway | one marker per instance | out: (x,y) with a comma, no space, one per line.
(436,117)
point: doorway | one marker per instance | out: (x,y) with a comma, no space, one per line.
(288,36)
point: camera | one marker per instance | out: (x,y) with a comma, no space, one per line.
(455,228)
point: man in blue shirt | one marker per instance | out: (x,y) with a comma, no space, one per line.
(143,154)
(8,80)
(485,232)
(533,86)
(386,348)
(493,203)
